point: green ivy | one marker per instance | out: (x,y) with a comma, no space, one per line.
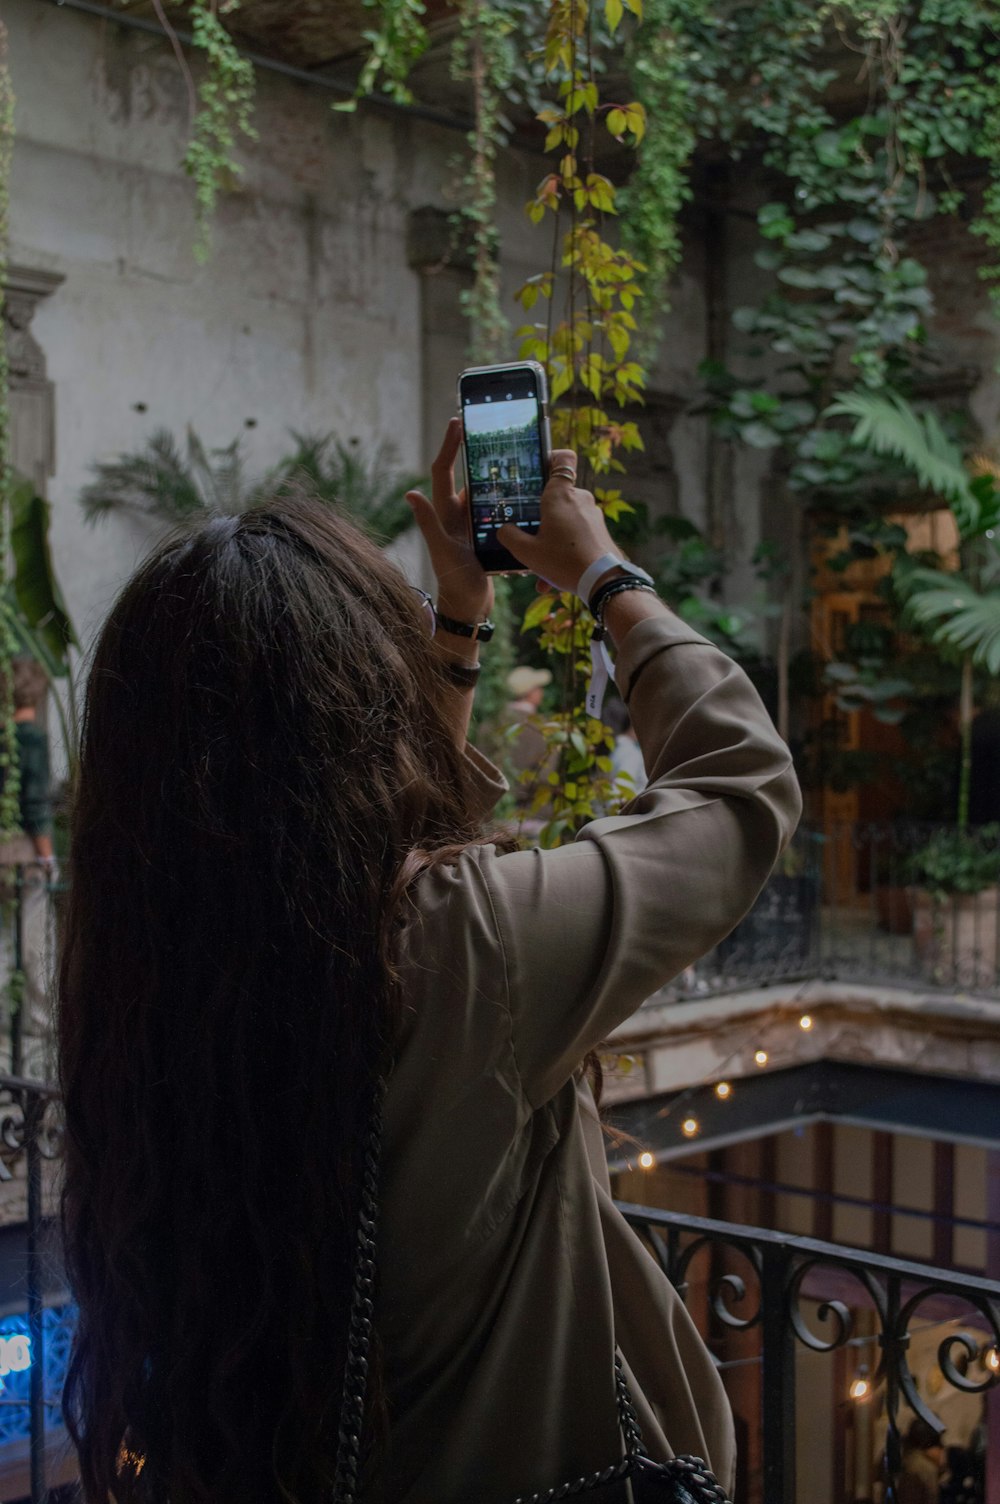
(398,42)
(10,809)
(660,68)
(485,54)
(226,101)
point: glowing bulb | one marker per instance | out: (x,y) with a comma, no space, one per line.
(723,1090)
(689,1127)
(992,1360)
(760,1056)
(861,1387)
(805,1022)
(647,1160)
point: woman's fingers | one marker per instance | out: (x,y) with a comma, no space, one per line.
(563,459)
(443,468)
(427,520)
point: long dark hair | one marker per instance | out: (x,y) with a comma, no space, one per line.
(263,751)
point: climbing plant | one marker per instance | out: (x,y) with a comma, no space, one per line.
(10,780)
(587,296)
(484,54)
(225,112)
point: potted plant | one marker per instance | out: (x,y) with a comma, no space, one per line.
(955,876)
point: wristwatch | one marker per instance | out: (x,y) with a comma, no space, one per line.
(479,631)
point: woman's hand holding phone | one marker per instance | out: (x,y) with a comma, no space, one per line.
(465,590)
(573,532)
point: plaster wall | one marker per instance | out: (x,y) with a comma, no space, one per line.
(307,315)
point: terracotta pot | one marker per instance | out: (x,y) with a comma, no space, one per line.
(956,937)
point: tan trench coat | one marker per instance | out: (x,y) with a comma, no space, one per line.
(507,1276)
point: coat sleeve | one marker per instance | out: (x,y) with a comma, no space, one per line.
(591,930)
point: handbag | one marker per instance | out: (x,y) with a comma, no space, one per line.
(635,1479)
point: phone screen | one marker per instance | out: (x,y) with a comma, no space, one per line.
(506,452)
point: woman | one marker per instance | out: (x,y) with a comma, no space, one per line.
(279,893)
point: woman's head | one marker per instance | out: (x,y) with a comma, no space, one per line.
(263,747)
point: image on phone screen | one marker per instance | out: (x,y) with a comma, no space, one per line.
(504,458)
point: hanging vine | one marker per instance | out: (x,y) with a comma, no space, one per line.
(485,55)
(661,67)
(592,379)
(10,808)
(225,112)
(399,41)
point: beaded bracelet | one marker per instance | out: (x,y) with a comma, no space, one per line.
(604,593)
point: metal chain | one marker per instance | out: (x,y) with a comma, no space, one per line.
(362,1310)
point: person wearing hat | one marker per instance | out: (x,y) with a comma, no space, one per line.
(528,755)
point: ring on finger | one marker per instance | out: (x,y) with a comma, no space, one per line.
(564,471)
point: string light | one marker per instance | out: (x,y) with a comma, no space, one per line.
(723,1090)
(805,1022)
(647,1160)
(690,1127)
(992,1360)
(760,1057)
(861,1387)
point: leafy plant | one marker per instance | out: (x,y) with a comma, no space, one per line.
(955,861)
(367,483)
(171,484)
(33,612)
(10,808)
(958,610)
(225,112)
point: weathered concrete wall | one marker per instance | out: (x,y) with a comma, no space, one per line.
(307,315)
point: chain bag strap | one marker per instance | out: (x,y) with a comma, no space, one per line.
(684,1480)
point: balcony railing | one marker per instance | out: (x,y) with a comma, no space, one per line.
(868,903)
(785,1293)
(776,1292)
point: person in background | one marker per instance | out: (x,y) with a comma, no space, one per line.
(923,1462)
(528,756)
(626,754)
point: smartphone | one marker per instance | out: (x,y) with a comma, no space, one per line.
(505,450)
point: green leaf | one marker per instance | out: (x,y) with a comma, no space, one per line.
(616,121)
(540,608)
(759,435)
(888,424)
(613,12)
(774,221)
(36,589)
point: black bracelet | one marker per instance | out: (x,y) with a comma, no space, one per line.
(462,675)
(603,594)
(479,631)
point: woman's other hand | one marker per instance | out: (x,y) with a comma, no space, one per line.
(573,532)
(465,590)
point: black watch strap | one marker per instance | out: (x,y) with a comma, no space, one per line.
(479,631)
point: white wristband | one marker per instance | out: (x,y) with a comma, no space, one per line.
(602,566)
(591,575)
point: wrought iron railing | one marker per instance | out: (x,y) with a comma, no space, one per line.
(755,1282)
(782,1287)
(903,903)
(36,1339)
(31,902)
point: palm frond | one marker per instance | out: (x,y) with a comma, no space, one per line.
(955,615)
(366,484)
(889,424)
(155,481)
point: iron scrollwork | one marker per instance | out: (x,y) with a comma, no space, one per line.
(893,1289)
